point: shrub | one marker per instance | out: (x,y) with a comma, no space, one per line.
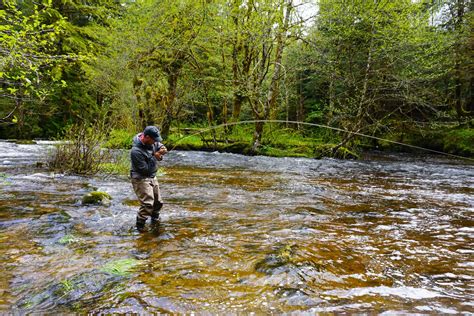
(119,139)
(460,141)
(82,151)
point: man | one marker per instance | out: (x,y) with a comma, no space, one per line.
(147,149)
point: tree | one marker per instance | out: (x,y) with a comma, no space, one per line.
(167,33)
(258,38)
(28,57)
(46,49)
(456,18)
(87,21)
(379,63)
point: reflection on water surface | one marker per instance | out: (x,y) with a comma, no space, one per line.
(241,234)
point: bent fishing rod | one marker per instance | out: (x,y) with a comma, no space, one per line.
(204,130)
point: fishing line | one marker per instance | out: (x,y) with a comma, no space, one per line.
(321,126)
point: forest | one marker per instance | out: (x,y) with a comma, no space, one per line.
(319,157)
(393,70)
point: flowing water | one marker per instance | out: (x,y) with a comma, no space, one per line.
(388,233)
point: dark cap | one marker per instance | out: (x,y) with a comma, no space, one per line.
(153,132)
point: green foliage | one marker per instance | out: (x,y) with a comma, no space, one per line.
(114,168)
(278,142)
(190,142)
(118,165)
(28,58)
(460,141)
(453,140)
(367,66)
(45,49)
(122,267)
(119,139)
(28,52)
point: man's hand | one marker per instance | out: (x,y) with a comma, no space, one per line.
(161,152)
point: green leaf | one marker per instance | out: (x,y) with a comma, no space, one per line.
(12,90)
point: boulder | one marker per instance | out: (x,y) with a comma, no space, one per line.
(96,197)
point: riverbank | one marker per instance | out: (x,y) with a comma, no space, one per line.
(276,142)
(286,142)
(457,140)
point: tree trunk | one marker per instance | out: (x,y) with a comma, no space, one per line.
(257,136)
(273,89)
(21,117)
(240,75)
(300,105)
(457,56)
(169,100)
(362,101)
(237,106)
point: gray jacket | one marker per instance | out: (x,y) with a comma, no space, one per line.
(144,163)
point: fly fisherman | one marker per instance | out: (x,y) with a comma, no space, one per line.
(146,151)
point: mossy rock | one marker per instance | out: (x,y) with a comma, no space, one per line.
(76,289)
(327,150)
(283,256)
(236,147)
(278,152)
(96,197)
(345,153)
(129,202)
(68,239)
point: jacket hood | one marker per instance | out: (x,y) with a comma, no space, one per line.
(136,140)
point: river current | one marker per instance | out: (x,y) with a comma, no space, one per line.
(238,234)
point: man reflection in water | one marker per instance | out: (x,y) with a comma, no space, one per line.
(146,151)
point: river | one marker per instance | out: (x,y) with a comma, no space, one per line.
(387,233)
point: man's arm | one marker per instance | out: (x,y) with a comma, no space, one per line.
(139,162)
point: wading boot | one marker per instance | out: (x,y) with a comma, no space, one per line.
(155,218)
(141,225)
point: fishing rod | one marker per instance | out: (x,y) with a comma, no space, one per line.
(321,126)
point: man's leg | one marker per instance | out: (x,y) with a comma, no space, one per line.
(144,190)
(158,203)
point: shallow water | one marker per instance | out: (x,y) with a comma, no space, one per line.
(389,233)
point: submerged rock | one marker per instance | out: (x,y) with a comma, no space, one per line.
(68,239)
(81,288)
(282,257)
(96,197)
(130,202)
(89,285)
(122,267)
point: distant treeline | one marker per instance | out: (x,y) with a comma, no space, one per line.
(376,67)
